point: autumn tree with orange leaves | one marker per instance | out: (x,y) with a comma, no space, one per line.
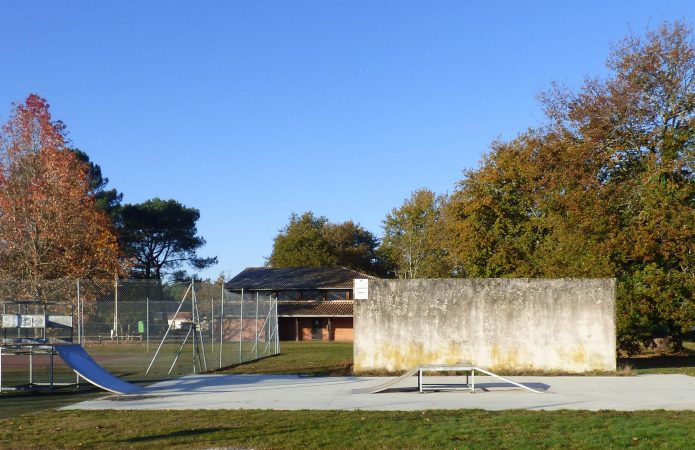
(49,226)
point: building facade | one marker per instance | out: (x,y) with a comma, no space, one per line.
(314,303)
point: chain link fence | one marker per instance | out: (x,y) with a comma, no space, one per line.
(145,328)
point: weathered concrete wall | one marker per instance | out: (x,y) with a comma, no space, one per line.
(501,324)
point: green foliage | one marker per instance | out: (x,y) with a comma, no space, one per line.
(301,243)
(412,237)
(605,189)
(315,242)
(109,200)
(161,235)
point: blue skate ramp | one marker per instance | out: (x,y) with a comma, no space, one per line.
(77,358)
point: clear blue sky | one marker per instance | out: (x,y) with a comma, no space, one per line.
(251,110)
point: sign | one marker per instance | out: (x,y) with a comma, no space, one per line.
(361,289)
(23,321)
(32,321)
(10,320)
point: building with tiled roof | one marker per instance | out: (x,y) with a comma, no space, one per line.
(314,303)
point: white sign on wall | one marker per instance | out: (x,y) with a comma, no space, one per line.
(361,289)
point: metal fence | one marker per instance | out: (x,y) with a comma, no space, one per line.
(123,324)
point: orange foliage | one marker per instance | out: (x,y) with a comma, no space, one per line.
(49,226)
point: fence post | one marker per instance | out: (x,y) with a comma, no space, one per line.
(115,308)
(221,322)
(79,323)
(277,328)
(147,324)
(241,322)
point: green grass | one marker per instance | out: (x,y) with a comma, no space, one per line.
(39,426)
(306,358)
(350,429)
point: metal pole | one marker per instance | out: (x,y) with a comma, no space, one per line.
(212,326)
(115,308)
(84,338)
(201,343)
(45,321)
(79,322)
(171,322)
(180,350)
(221,323)
(241,322)
(255,344)
(193,319)
(147,324)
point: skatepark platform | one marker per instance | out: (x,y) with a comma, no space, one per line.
(291,392)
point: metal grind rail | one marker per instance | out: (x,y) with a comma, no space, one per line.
(424,368)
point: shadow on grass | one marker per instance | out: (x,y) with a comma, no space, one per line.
(174,434)
(659,362)
(25,401)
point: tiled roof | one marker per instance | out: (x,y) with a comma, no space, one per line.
(287,278)
(331,308)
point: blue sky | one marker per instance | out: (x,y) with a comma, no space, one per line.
(251,110)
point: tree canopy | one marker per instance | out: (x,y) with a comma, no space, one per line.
(161,236)
(108,200)
(49,225)
(605,189)
(313,241)
(412,237)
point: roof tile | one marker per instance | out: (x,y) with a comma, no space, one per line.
(331,308)
(289,278)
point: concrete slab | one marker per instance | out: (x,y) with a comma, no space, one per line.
(288,392)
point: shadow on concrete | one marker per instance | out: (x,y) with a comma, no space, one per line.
(486,387)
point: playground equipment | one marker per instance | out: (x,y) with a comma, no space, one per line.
(420,371)
(31,328)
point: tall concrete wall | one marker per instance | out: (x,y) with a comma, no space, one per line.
(501,324)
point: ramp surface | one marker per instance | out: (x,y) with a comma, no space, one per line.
(77,358)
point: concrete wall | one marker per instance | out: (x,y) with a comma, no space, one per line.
(500,324)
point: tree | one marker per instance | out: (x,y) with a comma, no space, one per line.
(313,241)
(301,243)
(354,247)
(49,225)
(109,200)
(160,235)
(605,189)
(412,237)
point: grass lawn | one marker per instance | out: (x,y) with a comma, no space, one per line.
(40,426)
(349,429)
(306,358)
